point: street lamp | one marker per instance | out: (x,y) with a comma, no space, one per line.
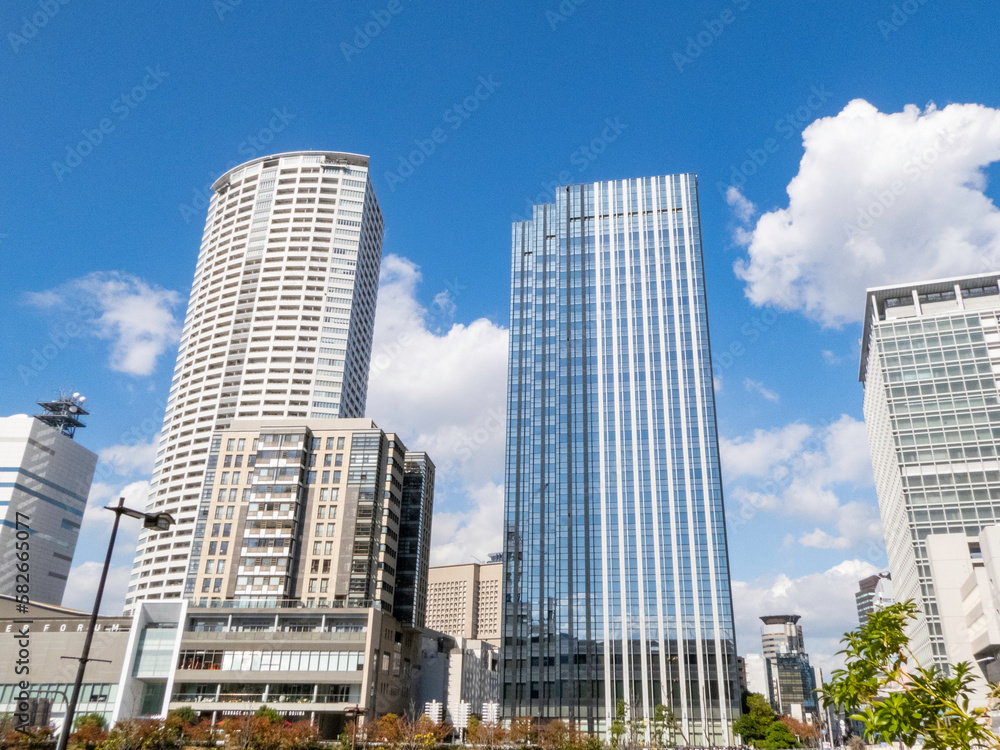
(154,521)
(353,712)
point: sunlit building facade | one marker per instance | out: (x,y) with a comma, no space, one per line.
(279,324)
(617,580)
(929,358)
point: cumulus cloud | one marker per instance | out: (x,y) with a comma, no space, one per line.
(137,318)
(879,198)
(824,599)
(822,475)
(442,387)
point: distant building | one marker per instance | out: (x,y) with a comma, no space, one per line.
(791,681)
(456,669)
(874,593)
(45,479)
(757,675)
(464,600)
(930,355)
(781,634)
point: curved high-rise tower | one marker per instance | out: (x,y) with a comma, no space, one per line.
(279,324)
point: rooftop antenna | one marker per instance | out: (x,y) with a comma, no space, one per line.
(64,413)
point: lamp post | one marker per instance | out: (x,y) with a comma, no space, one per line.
(353,712)
(156,521)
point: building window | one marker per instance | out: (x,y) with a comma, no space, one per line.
(224,548)
(339,461)
(316,547)
(227,461)
(340,443)
(226,528)
(229,510)
(218,511)
(312,585)
(326,477)
(205,585)
(215,529)
(329,529)
(231,444)
(319,529)
(221,567)
(329,548)
(321,512)
(209,566)
(217,588)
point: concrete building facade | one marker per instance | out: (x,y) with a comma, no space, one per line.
(465,600)
(279,324)
(45,478)
(307,510)
(929,363)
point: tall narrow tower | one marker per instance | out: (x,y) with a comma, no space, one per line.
(617,573)
(279,324)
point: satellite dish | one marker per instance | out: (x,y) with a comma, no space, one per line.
(82,399)
(76,395)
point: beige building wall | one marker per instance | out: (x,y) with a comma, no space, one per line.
(464,600)
(301,509)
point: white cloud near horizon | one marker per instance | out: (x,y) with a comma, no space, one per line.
(879,198)
(442,387)
(819,475)
(825,601)
(136,317)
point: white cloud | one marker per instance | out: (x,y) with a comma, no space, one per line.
(820,474)
(825,601)
(127,460)
(138,319)
(755,456)
(442,388)
(81,588)
(756,386)
(879,198)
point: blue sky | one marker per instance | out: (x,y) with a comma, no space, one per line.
(527,95)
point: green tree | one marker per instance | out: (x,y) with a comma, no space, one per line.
(899,700)
(757,718)
(778,737)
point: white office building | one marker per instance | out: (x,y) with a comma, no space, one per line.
(929,359)
(45,478)
(279,324)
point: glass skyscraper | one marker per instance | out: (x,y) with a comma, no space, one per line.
(617,574)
